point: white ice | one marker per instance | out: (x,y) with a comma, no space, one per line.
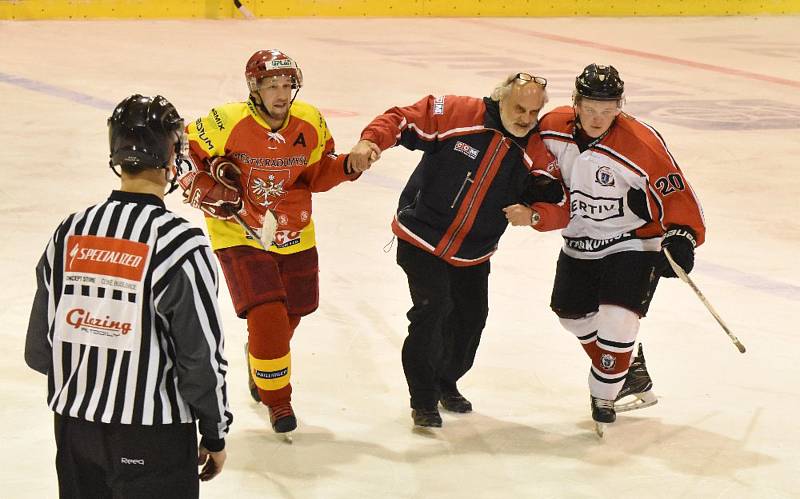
(725,94)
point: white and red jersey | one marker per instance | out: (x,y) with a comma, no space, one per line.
(625,189)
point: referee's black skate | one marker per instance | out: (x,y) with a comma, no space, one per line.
(283,420)
(602,413)
(638,387)
(426,418)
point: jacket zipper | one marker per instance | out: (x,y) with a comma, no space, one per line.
(472,200)
(464,184)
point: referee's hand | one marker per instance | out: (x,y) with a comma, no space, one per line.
(213,461)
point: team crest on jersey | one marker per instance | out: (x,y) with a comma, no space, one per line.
(604,176)
(264,189)
(608,361)
(466,149)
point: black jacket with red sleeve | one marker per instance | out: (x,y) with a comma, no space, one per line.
(472,168)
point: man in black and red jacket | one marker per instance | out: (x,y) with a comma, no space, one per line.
(480,157)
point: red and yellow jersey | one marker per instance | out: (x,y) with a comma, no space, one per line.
(279,170)
(625,188)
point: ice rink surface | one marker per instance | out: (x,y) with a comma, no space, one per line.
(724,93)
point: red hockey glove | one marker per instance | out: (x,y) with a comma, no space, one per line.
(203,192)
(225,172)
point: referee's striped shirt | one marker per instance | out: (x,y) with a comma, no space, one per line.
(125,321)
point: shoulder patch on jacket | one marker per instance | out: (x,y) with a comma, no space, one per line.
(438,105)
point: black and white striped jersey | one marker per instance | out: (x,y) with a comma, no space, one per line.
(125,320)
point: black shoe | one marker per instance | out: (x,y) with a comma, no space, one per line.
(455,402)
(282,418)
(426,418)
(250,383)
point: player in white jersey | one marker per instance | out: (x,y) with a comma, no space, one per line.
(628,199)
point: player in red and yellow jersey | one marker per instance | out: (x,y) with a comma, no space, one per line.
(259,161)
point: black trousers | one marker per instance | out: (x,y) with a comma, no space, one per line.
(450,306)
(99,460)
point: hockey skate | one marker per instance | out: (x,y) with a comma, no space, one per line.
(283,420)
(250,383)
(603,414)
(638,387)
(426,418)
(455,402)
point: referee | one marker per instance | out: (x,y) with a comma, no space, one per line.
(125,326)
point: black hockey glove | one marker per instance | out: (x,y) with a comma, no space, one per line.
(541,188)
(680,242)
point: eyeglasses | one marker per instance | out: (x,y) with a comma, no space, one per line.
(525,78)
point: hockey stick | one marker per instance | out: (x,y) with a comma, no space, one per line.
(685,278)
(247,229)
(244,10)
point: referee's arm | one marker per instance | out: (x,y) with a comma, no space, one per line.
(38,351)
(189,303)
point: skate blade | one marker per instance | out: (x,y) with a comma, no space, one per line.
(428,430)
(286,437)
(639,401)
(600,428)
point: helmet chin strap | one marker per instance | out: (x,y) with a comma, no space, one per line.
(256,98)
(172,179)
(111,166)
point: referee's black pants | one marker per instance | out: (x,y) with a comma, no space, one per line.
(450,306)
(100,460)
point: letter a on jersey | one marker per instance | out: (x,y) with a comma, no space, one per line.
(300,140)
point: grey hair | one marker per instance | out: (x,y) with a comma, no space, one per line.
(503,88)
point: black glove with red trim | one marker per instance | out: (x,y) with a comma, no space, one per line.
(680,242)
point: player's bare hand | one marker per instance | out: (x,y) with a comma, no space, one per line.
(518,214)
(363,154)
(212,462)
